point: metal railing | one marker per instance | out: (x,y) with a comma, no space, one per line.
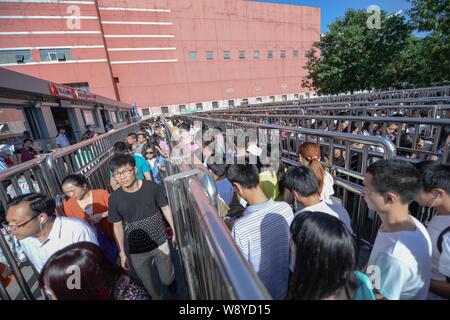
(425,111)
(370,125)
(44,175)
(213,265)
(383,95)
(357,152)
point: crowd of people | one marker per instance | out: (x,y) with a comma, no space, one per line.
(286,222)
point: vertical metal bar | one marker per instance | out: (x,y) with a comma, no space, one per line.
(15,268)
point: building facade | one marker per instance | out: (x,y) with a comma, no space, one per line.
(42,107)
(164,56)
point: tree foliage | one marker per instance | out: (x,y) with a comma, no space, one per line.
(352,56)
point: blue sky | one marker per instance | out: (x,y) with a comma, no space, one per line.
(331,9)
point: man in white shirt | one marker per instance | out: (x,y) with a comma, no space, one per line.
(400,261)
(31,219)
(436,194)
(303,185)
(61,139)
(262,233)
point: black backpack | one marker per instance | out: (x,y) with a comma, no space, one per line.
(439,243)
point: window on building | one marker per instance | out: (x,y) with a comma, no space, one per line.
(113,117)
(199,106)
(4,127)
(256,54)
(270,54)
(15,56)
(226,55)
(215,105)
(283,54)
(258,100)
(164,110)
(146,112)
(209,55)
(295,54)
(55,54)
(244,102)
(120,116)
(296,96)
(272,98)
(241,54)
(182,108)
(192,55)
(284,97)
(231,103)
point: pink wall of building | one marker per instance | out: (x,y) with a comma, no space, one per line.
(149,49)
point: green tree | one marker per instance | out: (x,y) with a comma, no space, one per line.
(433,16)
(355,57)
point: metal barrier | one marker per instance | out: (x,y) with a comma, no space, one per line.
(424,111)
(369,125)
(45,173)
(359,151)
(383,95)
(213,265)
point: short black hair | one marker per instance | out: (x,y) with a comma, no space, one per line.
(75,179)
(301,179)
(434,175)
(132,134)
(219,170)
(142,134)
(245,174)
(38,203)
(121,160)
(121,147)
(26,140)
(396,176)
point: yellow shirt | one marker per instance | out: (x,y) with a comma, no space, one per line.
(268,181)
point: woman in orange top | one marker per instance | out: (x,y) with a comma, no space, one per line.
(90,206)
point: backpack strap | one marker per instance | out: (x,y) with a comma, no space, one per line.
(439,243)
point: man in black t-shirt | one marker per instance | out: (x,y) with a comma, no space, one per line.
(138,224)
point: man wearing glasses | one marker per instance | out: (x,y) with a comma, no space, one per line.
(138,225)
(142,166)
(31,219)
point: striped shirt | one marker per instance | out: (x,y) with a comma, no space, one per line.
(3,165)
(262,236)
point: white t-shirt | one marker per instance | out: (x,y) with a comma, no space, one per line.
(403,260)
(327,190)
(65,231)
(333,210)
(440,262)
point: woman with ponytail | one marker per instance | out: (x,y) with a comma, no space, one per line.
(309,155)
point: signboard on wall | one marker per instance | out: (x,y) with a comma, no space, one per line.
(83,95)
(59,90)
(88,117)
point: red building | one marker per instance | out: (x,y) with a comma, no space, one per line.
(172,56)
